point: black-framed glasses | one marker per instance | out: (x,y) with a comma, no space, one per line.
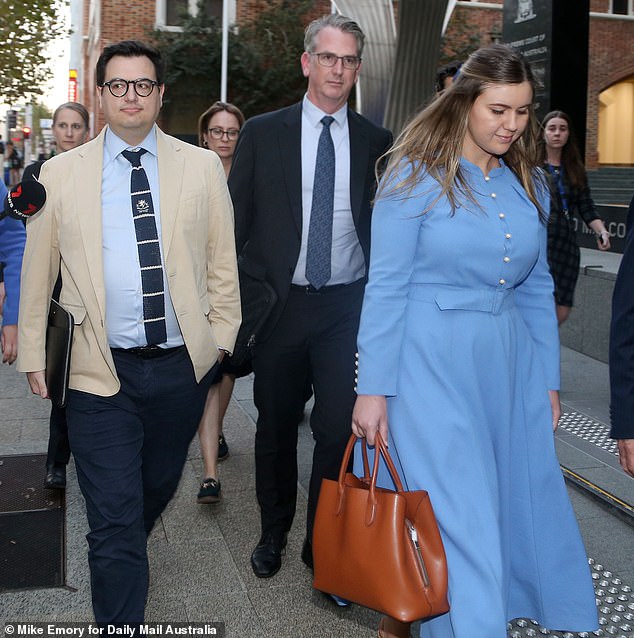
(218,133)
(350,62)
(142,87)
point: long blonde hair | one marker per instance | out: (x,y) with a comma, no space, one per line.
(432,141)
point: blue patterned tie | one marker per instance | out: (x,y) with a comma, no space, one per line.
(149,250)
(320,229)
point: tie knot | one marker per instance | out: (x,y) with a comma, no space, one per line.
(134,157)
(327,120)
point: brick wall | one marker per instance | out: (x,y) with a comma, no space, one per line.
(119,20)
(611,44)
(249,9)
(611,53)
(611,61)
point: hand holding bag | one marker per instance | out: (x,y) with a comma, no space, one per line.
(377,547)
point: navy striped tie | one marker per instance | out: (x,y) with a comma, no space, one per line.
(320,227)
(149,250)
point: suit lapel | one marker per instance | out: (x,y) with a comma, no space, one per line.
(87,175)
(290,144)
(359,155)
(170,168)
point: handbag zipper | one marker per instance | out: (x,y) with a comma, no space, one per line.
(413,536)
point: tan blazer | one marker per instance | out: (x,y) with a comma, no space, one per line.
(197,236)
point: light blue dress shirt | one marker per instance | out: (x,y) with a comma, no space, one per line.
(347,260)
(122,273)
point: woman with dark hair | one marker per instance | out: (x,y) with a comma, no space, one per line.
(218,130)
(70,128)
(570,196)
(458,364)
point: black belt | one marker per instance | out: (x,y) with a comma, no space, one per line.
(148,352)
(311,290)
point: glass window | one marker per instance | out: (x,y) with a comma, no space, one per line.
(621,7)
(213,8)
(174,10)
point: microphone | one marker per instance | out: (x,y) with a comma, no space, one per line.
(24,200)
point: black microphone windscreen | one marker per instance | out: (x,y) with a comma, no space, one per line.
(25,199)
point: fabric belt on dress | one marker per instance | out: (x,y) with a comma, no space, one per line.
(455,298)
(147,352)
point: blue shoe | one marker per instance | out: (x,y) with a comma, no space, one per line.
(340,602)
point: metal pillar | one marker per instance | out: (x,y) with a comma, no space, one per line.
(417,54)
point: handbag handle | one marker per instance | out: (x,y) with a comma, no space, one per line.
(381,450)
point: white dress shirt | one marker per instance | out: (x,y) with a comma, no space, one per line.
(347,260)
(122,272)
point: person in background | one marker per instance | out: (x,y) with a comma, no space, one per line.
(459,354)
(570,197)
(622,353)
(218,130)
(12,239)
(141,226)
(302,181)
(70,129)
(15,163)
(446,75)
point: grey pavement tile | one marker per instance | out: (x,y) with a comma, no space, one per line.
(585,507)
(45,604)
(612,480)
(34,430)
(9,433)
(249,409)
(29,407)
(240,526)
(14,383)
(23,447)
(184,519)
(234,609)
(613,547)
(587,448)
(179,570)
(302,612)
(583,376)
(243,388)
(571,456)
(236,474)
(161,610)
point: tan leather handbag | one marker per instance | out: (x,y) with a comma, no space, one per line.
(378,547)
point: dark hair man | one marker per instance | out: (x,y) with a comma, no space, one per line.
(141,225)
(301,182)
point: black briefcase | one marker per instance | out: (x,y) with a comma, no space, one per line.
(59,339)
(258,298)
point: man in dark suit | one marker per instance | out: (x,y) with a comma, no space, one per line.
(622,353)
(302,182)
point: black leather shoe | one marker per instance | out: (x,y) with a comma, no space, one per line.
(55,477)
(307,553)
(266,559)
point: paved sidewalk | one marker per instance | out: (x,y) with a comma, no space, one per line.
(199,554)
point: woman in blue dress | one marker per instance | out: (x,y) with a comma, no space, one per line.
(459,354)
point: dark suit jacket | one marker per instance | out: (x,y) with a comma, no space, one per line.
(622,341)
(266,188)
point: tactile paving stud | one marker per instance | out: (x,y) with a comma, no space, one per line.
(615,605)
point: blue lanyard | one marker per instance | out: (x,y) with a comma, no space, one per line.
(558,174)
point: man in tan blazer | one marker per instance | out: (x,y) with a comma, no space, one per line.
(140,225)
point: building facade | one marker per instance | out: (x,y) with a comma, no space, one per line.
(610,115)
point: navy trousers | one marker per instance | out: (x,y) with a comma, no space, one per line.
(129,452)
(315,340)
